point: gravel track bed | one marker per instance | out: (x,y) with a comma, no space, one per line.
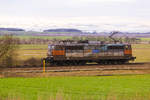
(130,66)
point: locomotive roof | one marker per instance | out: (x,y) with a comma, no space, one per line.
(116,44)
(81,44)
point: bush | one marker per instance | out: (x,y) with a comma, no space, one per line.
(33,62)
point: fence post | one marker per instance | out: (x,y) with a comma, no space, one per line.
(44,66)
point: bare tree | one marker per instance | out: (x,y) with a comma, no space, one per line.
(8,46)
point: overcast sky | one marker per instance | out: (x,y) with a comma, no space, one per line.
(100,15)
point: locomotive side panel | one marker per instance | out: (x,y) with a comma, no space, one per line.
(74,51)
(87,53)
(58,52)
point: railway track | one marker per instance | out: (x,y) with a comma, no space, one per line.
(88,67)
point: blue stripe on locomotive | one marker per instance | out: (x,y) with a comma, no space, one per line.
(95,51)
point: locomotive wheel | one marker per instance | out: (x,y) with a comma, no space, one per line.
(114,62)
(81,63)
(64,63)
(53,64)
(60,63)
(121,62)
(105,62)
(74,63)
(109,62)
(70,63)
(67,63)
(100,62)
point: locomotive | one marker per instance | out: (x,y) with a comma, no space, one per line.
(82,52)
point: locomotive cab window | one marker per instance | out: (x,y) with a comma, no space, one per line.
(50,47)
(128,47)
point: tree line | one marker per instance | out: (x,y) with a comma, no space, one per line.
(75,38)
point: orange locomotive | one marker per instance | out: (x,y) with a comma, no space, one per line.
(82,53)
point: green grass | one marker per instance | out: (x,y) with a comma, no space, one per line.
(77,88)
(145,39)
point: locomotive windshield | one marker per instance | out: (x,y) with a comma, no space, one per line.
(128,47)
(50,48)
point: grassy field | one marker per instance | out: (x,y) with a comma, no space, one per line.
(141,51)
(145,39)
(27,54)
(135,87)
(44,37)
(33,47)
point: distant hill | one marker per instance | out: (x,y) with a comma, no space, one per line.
(69,32)
(11,29)
(63,30)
